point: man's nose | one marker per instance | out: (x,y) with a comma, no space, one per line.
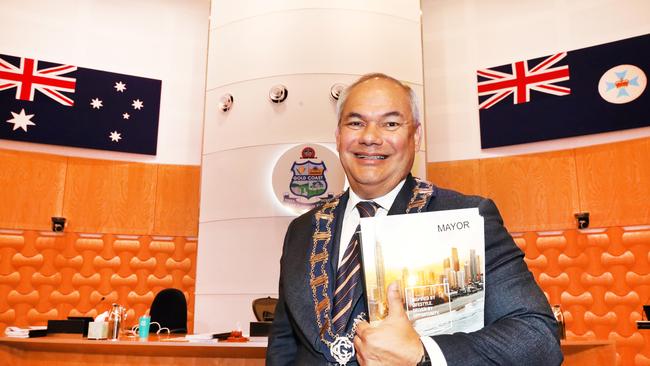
(371,134)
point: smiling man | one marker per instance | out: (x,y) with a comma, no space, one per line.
(321,317)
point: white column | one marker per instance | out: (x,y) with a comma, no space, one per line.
(306,46)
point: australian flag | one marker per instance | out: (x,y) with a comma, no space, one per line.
(590,90)
(67,105)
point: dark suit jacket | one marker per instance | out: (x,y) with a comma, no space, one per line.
(519,326)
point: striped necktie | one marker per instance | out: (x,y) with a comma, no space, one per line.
(349,273)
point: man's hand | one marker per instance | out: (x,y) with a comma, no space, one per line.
(394,341)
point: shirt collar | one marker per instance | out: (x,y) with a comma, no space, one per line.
(385,201)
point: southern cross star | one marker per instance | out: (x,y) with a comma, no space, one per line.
(21,120)
(115,136)
(120,87)
(96,103)
(137,104)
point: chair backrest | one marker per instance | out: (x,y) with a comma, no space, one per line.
(264,308)
(169,308)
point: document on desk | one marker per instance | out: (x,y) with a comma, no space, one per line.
(194,338)
(200,337)
(29,332)
(438,260)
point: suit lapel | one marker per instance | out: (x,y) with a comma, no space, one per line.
(336,239)
(297,270)
(300,296)
(403,197)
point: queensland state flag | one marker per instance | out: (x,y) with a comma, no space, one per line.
(590,90)
(67,105)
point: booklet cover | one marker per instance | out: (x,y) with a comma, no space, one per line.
(437,258)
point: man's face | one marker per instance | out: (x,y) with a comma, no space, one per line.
(377,137)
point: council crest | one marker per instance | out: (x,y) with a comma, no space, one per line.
(306,175)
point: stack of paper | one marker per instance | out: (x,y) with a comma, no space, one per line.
(200,337)
(34,331)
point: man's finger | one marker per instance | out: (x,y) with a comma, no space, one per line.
(361,327)
(395,304)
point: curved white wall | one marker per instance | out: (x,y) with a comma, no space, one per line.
(460,37)
(164,39)
(306,46)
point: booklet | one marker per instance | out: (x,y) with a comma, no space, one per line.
(438,260)
(29,332)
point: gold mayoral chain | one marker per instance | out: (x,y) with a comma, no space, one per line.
(340,345)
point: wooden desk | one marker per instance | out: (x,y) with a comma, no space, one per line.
(588,352)
(75,350)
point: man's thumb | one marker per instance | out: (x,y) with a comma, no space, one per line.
(395,304)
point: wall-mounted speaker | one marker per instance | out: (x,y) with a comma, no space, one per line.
(225,102)
(336,90)
(278,93)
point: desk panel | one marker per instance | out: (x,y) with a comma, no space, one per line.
(77,351)
(583,352)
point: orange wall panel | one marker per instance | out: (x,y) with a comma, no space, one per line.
(47,275)
(600,276)
(32,189)
(533,192)
(177,200)
(601,279)
(615,182)
(109,196)
(461,175)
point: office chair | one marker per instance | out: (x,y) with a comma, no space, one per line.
(264,308)
(169,309)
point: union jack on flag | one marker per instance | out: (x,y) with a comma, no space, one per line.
(543,77)
(28,78)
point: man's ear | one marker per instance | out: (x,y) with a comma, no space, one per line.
(417,136)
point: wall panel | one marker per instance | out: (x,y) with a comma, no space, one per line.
(615,182)
(177,200)
(241,255)
(307,46)
(165,40)
(224,12)
(46,275)
(32,189)
(460,37)
(462,175)
(220,313)
(533,192)
(270,45)
(106,196)
(308,113)
(238,184)
(600,278)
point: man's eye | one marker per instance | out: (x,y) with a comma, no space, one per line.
(354,124)
(391,125)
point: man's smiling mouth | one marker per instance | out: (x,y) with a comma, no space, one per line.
(370,157)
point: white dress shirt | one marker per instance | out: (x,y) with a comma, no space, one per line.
(351,221)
